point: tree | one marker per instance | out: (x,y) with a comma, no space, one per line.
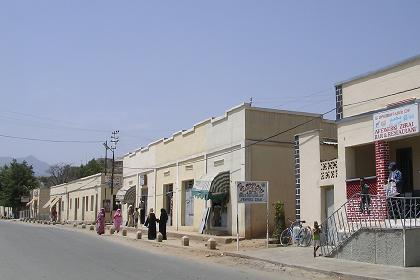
(16,180)
(91,168)
(61,173)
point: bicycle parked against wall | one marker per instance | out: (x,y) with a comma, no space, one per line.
(302,235)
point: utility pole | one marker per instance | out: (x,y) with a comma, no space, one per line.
(114,141)
(106,156)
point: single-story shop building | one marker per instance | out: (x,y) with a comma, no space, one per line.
(80,200)
(192,174)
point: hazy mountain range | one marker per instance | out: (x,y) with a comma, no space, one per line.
(40,168)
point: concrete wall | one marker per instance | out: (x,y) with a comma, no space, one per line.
(412,241)
(383,246)
(380,246)
(393,80)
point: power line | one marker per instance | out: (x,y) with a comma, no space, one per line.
(283,131)
(50,140)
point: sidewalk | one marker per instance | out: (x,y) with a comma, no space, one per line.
(303,258)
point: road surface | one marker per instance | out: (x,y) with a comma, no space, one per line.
(32,251)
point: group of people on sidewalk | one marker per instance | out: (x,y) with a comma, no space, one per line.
(150,222)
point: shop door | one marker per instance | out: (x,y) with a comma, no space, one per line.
(83,208)
(189,204)
(329,210)
(168,203)
(405,165)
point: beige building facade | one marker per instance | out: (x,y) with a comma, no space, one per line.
(316,174)
(80,200)
(377,122)
(192,174)
(40,196)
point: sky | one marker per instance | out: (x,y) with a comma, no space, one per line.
(77,70)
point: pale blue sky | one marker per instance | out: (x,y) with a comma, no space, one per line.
(150,68)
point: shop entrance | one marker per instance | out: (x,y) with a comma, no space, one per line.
(143,204)
(189,203)
(168,201)
(405,165)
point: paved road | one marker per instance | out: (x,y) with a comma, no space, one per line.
(37,252)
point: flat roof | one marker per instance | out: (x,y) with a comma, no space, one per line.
(382,69)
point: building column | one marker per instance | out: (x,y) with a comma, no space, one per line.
(381,164)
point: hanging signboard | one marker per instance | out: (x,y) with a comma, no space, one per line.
(396,122)
(252,191)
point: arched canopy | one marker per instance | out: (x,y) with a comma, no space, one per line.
(127,195)
(213,186)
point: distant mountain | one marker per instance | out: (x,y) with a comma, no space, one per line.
(40,167)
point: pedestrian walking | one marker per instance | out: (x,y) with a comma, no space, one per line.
(151,225)
(136,217)
(117,220)
(364,197)
(162,222)
(100,222)
(317,237)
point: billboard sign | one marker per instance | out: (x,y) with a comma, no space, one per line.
(396,122)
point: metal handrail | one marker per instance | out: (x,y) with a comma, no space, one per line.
(377,212)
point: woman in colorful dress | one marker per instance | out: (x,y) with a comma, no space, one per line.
(100,222)
(117,220)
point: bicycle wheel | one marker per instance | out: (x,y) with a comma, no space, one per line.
(305,237)
(286,237)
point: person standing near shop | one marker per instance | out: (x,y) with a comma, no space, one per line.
(394,180)
(136,217)
(364,197)
(162,223)
(151,225)
(130,218)
(142,207)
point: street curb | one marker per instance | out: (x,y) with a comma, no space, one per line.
(310,269)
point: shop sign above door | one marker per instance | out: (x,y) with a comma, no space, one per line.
(396,122)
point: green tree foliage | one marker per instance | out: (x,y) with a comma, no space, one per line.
(91,168)
(279,220)
(16,180)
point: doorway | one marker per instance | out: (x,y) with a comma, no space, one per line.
(189,203)
(168,202)
(328,210)
(143,204)
(405,165)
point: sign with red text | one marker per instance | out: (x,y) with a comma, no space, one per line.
(396,122)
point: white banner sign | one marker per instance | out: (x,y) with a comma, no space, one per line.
(396,122)
(252,191)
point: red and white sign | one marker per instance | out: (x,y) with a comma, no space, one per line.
(396,122)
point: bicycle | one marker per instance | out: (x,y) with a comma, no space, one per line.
(303,236)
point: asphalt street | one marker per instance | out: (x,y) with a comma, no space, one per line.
(38,252)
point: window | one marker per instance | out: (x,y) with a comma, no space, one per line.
(70,203)
(87,203)
(91,202)
(219,162)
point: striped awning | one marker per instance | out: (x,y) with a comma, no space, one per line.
(126,195)
(212,186)
(53,200)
